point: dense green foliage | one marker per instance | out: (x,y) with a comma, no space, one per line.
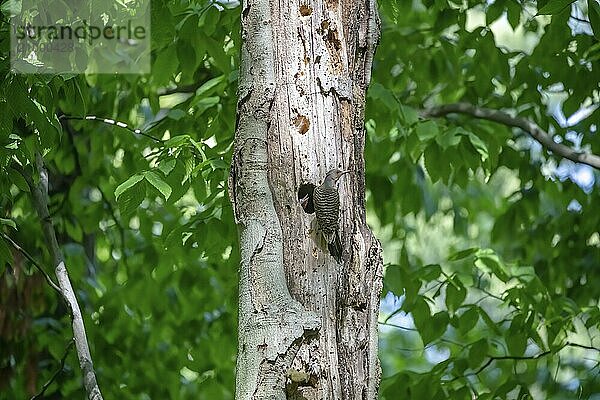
(500,238)
(491,242)
(146,226)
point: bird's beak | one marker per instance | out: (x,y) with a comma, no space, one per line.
(339,175)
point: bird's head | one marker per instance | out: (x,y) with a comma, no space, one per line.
(332,176)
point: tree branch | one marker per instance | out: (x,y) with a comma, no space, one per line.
(582,346)
(528,126)
(33,261)
(404,328)
(491,359)
(584,21)
(112,122)
(40,395)
(39,195)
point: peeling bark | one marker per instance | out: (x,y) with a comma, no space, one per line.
(307,325)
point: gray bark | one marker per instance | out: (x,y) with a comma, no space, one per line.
(307,325)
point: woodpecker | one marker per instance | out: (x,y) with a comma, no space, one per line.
(327,209)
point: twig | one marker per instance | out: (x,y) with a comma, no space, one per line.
(40,394)
(584,21)
(393,314)
(582,346)
(491,359)
(33,261)
(528,126)
(112,122)
(488,293)
(397,326)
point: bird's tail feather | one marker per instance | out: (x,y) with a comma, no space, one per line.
(335,247)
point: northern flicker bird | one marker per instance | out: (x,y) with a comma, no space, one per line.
(327,209)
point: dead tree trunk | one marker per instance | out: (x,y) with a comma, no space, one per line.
(307,324)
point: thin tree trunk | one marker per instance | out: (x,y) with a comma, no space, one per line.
(307,325)
(39,194)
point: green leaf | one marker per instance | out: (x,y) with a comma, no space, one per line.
(594,16)
(462,254)
(204,103)
(9,222)
(409,115)
(130,199)
(177,141)
(198,146)
(438,167)
(468,320)
(394,279)
(209,86)
(489,262)
(427,130)
(554,7)
(429,272)
(435,328)
(516,343)
(210,20)
(166,166)
(74,231)
(378,92)
(567,305)
(189,164)
(156,181)
(398,385)
(514,13)
(11,8)
(450,138)
(179,186)
(516,336)
(455,294)
(165,65)
(414,146)
(430,327)
(478,352)
(176,114)
(494,11)
(489,322)
(128,184)
(479,145)
(460,366)
(218,163)
(17,179)
(420,311)
(216,51)
(22,102)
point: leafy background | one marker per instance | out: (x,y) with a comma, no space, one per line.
(491,242)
